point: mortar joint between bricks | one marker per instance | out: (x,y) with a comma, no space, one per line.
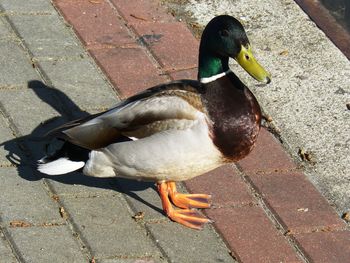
(316,230)
(8,165)
(12,87)
(14,13)
(9,121)
(61,58)
(11,38)
(131,257)
(272,171)
(246,204)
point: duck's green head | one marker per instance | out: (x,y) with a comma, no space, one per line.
(222,38)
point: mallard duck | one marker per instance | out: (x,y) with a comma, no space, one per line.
(175,131)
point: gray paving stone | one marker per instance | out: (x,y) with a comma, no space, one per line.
(24,199)
(78,184)
(6,254)
(46,36)
(7,143)
(182,244)
(5,31)
(132,260)
(143,197)
(28,110)
(47,244)
(108,227)
(81,82)
(15,66)
(30,6)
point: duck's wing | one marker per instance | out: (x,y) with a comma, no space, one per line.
(170,106)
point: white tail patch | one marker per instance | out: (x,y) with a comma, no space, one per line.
(59,166)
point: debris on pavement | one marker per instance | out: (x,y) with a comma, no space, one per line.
(19,223)
(302,209)
(138,216)
(138,17)
(63,213)
(346,216)
(306,156)
(267,117)
(284,53)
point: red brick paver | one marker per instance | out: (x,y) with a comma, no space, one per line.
(229,189)
(135,12)
(137,44)
(332,247)
(167,41)
(267,156)
(252,236)
(129,69)
(98,25)
(296,202)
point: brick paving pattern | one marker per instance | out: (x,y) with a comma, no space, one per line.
(264,208)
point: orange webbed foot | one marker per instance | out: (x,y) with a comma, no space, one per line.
(188,200)
(187,217)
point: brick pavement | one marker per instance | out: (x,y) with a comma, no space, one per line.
(265,210)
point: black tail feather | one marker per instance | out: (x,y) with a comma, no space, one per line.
(69,151)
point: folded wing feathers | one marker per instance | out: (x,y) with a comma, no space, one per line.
(135,113)
(103,130)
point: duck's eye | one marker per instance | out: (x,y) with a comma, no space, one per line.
(224,33)
(247,57)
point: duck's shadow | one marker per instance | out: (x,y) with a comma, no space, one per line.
(24,151)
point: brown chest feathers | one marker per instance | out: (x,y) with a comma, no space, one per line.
(235,115)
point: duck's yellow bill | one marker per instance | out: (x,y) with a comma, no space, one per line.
(247,61)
